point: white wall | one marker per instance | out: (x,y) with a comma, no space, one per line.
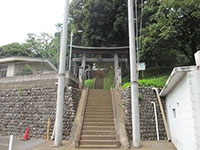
(194,85)
(181,126)
(10,70)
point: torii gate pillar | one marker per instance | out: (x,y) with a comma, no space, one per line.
(118,78)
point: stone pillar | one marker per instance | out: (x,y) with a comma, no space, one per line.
(116,64)
(83,63)
(80,76)
(119,78)
(75,67)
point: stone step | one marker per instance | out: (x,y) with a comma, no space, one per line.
(98,132)
(98,146)
(98,113)
(99,106)
(99,103)
(98,128)
(99,110)
(98,116)
(98,123)
(98,137)
(98,142)
(99,100)
(98,120)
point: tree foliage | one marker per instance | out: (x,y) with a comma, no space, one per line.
(14,49)
(171,31)
(43,45)
(104,22)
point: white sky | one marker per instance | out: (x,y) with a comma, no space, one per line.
(19,17)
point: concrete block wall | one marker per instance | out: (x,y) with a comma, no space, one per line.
(22,107)
(147,118)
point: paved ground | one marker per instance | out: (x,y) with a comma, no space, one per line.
(41,144)
(18,144)
(145,145)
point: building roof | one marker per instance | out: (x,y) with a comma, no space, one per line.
(177,74)
(27,59)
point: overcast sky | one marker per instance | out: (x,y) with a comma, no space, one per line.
(19,17)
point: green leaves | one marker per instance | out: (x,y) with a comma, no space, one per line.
(104,22)
(172,29)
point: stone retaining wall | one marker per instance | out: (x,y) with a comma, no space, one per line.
(147,117)
(32,107)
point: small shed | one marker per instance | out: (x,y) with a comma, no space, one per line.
(182,100)
(12,66)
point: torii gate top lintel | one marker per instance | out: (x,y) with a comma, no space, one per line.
(100,50)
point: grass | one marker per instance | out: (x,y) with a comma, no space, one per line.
(154,81)
(108,83)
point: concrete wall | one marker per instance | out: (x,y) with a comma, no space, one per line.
(194,87)
(37,80)
(180,116)
(147,118)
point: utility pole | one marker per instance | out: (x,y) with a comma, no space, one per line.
(61,79)
(134,78)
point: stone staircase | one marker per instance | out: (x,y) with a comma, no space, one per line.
(98,130)
(99,83)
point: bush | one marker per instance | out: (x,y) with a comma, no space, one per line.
(90,83)
(155,81)
(108,83)
(126,84)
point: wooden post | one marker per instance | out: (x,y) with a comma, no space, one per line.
(48,124)
(163,114)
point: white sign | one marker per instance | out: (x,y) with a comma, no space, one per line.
(141,66)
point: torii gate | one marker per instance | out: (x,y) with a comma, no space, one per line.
(133,74)
(99,51)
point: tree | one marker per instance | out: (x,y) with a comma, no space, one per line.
(171,31)
(14,49)
(104,22)
(44,45)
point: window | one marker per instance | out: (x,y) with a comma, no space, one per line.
(3,70)
(174,112)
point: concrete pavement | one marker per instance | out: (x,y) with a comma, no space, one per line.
(42,144)
(18,144)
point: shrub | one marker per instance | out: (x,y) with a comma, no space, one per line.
(90,83)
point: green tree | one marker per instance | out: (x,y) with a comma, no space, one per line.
(44,45)
(171,31)
(14,49)
(104,22)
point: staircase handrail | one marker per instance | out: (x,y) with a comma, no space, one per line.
(115,116)
(77,140)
